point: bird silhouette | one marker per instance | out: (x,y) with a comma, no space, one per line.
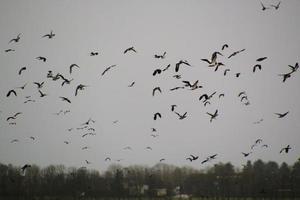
(263,7)
(176,88)
(224,46)
(181,117)
(39,85)
(237,75)
(11,92)
(265,146)
(9,50)
(294,68)
(148,148)
(85,148)
(244,97)
(204,161)
(80,87)
(213,156)
(226,71)
(235,53)
(15,39)
(246,154)
(153,129)
(66,142)
(218,65)
(167,67)
(130,49)
(221,95)
(161,160)
(276,6)
(107,159)
(213,116)
(21,70)
(108,68)
(257,66)
(72,66)
(31,137)
(261,59)
(65,99)
(206,102)
(194,157)
(285,149)
(14,116)
(173,107)
(87,162)
(156,115)
(160,56)
(285,76)
(177,76)
(180,63)
(281,115)
(42,94)
(156,89)
(258,141)
(14,141)
(132,84)
(26,166)
(94,53)
(49,35)
(42,58)
(190,159)
(157,71)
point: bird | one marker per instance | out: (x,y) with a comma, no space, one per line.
(94,53)
(42,58)
(204,161)
(235,53)
(180,63)
(87,162)
(42,94)
(153,130)
(224,46)
(181,117)
(190,159)
(167,67)
(163,159)
(84,148)
(176,88)
(156,115)
(241,93)
(157,71)
(14,140)
(285,149)
(107,159)
(285,76)
(281,115)
(65,99)
(218,65)
(173,107)
(9,50)
(213,61)
(206,102)
(258,141)
(66,142)
(237,75)
(213,156)
(265,145)
(108,68)
(244,97)
(246,154)
(294,68)
(130,49)
(206,97)
(14,116)
(39,85)
(261,59)
(21,70)
(31,137)
(15,39)
(263,6)
(80,87)
(194,157)
(156,89)
(49,35)
(131,85)
(88,122)
(148,148)
(66,81)
(25,167)
(72,66)
(213,116)
(276,6)
(160,56)
(256,66)
(221,95)
(225,71)
(177,76)
(11,92)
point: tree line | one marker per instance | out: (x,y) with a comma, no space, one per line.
(259,180)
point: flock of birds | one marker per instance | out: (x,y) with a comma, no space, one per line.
(213,62)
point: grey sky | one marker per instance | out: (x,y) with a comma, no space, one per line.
(188,30)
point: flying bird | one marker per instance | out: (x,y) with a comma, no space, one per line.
(263,6)
(285,149)
(21,70)
(285,76)
(42,94)
(94,53)
(167,67)
(160,56)
(108,68)
(107,159)
(14,140)
(294,68)
(11,92)
(39,85)
(156,89)
(176,88)
(173,107)
(15,39)
(9,50)
(181,117)
(180,63)
(257,66)
(161,160)
(41,58)
(224,46)
(213,116)
(25,167)
(49,35)
(246,154)
(65,99)
(157,71)
(261,59)
(31,137)
(80,87)
(149,148)
(281,115)
(276,6)
(194,157)
(130,49)
(235,53)
(177,76)
(237,75)
(204,161)
(156,115)
(72,66)
(132,84)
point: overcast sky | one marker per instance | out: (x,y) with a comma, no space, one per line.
(188,30)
